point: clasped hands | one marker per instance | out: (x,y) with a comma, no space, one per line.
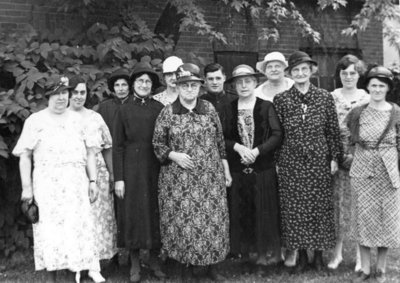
(247,156)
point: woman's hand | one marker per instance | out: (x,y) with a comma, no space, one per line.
(27,194)
(348,159)
(111,182)
(93,192)
(120,189)
(228,178)
(182,159)
(334,167)
(247,155)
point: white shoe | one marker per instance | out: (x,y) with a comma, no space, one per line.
(334,263)
(357,268)
(78,277)
(290,260)
(96,276)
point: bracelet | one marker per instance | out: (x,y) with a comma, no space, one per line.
(92,181)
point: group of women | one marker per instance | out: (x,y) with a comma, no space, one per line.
(292,166)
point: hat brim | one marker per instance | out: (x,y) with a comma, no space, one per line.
(256,75)
(57,90)
(155,79)
(189,79)
(305,60)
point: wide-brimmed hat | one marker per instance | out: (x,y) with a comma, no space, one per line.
(380,72)
(299,57)
(270,57)
(145,68)
(243,70)
(188,72)
(120,73)
(55,86)
(171,64)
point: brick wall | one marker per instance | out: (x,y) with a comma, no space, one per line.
(241,35)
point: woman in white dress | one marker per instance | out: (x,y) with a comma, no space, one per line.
(62,183)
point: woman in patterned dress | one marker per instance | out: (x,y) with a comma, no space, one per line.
(253,133)
(63,157)
(306,161)
(103,209)
(188,141)
(348,70)
(375,181)
(136,170)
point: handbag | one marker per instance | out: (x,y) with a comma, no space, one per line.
(30,210)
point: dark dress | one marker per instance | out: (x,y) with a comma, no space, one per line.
(108,110)
(221,102)
(311,141)
(193,207)
(136,164)
(254,204)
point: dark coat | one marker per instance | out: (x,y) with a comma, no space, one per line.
(267,135)
(136,164)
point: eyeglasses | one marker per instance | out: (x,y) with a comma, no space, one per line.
(194,86)
(142,82)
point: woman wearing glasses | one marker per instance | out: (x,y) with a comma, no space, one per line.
(136,171)
(193,207)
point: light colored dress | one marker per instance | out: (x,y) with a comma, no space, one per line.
(63,237)
(341,180)
(260,91)
(103,208)
(376,184)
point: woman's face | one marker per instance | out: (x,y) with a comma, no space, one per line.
(301,73)
(78,96)
(377,90)
(58,102)
(245,86)
(274,70)
(349,77)
(170,80)
(121,88)
(142,85)
(189,91)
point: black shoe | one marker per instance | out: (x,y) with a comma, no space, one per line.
(303,262)
(214,275)
(380,276)
(361,277)
(318,263)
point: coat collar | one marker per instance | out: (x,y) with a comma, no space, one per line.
(179,109)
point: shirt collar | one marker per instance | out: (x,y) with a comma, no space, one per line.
(179,109)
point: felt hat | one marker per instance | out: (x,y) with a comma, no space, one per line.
(243,70)
(56,86)
(145,68)
(120,73)
(188,72)
(299,57)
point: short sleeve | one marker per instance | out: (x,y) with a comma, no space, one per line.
(91,134)
(29,137)
(98,128)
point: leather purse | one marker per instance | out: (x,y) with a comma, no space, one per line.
(30,210)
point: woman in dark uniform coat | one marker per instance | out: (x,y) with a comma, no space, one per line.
(136,170)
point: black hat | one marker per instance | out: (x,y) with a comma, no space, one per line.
(243,70)
(120,73)
(380,72)
(55,86)
(299,57)
(188,72)
(145,68)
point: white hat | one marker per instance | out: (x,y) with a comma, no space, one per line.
(273,56)
(171,64)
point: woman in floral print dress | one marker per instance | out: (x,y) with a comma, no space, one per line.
(349,69)
(306,161)
(188,141)
(103,208)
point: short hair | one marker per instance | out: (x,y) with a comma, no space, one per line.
(213,67)
(349,60)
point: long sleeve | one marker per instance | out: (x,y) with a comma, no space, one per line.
(332,131)
(278,108)
(119,138)
(161,137)
(219,133)
(272,141)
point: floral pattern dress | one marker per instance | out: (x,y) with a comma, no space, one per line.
(341,180)
(64,236)
(103,208)
(193,206)
(311,141)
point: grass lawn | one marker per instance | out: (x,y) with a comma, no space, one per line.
(22,270)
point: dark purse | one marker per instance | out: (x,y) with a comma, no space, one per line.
(30,210)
